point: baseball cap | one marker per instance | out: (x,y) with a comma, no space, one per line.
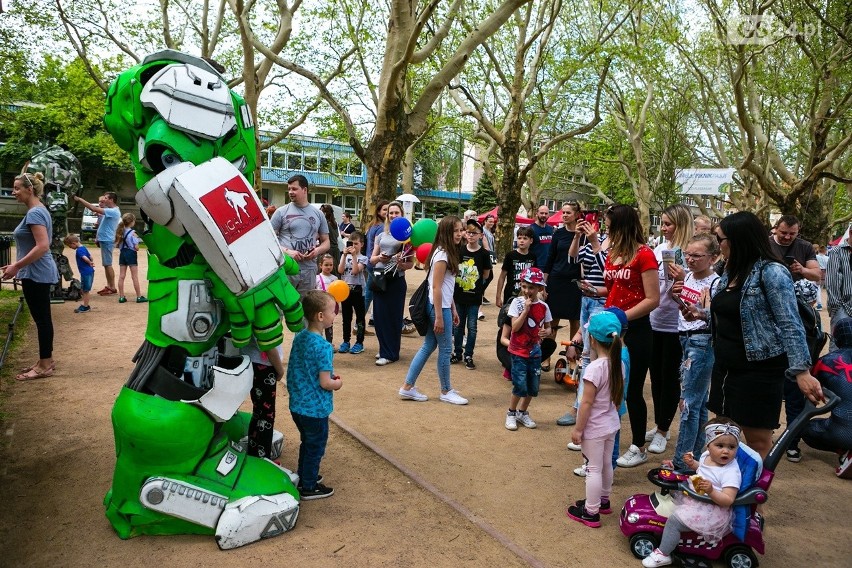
(619,313)
(533,276)
(604,326)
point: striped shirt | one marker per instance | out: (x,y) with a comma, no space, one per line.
(593,264)
(838,279)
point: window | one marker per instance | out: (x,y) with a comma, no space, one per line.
(655,221)
(294,161)
(311,164)
(264,158)
(319,198)
(708,202)
(326,164)
(278,160)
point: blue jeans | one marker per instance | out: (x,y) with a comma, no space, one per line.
(444,344)
(588,307)
(526,373)
(468,314)
(695,370)
(313,433)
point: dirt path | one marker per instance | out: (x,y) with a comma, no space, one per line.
(503,492)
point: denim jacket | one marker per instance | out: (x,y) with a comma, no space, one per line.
(770,320)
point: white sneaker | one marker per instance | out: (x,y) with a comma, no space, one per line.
(581,471)
(649,435)
(381,361)
(632,457)
(658,444)
(412,394)
(511,420)
(655,559)
(525,420)
(574,447)
(453,397)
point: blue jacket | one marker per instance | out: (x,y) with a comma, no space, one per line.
(770,319)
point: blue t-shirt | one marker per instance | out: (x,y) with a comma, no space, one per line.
(84,267)
(108,224)
(43,270)
(310,355)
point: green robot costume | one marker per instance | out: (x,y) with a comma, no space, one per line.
(215,269)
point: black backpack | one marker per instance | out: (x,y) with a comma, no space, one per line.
(417,307)
(815,337)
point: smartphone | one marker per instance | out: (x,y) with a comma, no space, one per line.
(587,289)
(789,260)
(679,301)
(591,218)
(348,244)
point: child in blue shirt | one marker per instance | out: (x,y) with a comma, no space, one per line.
(310,382)
(86,268)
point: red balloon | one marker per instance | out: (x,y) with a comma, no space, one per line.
(423,252)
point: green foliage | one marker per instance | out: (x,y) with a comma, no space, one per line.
(68,110)
(484,197)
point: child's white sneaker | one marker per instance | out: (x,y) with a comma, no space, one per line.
(658,444)
(511,420)
(632,457)
(655,559)
(525,419)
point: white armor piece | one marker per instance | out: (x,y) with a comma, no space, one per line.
(256,517)
(244,521)
(197,315)
(191,99)
(229,390)
(154,200)
(227,223)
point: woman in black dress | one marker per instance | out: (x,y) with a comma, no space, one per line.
(562,271)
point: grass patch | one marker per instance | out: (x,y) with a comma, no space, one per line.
(9,302)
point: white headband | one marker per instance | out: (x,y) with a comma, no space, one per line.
(713,431)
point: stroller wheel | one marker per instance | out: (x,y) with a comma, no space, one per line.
(740,557)
(643,544)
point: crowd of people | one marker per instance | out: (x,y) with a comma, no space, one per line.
(708,312)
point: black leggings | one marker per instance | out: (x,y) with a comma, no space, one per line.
(355,302)
(639,340)
(37,296)
(665,377)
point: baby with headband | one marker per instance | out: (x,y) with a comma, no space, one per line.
(718,476)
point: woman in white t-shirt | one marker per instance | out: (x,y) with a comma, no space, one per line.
(675,231)
(443,264)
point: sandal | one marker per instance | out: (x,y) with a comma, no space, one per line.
(34,365)
(33,374)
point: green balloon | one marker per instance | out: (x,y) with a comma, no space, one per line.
(424,231)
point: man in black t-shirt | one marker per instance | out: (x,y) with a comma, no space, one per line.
(796,252)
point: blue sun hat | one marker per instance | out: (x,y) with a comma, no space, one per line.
(604,326)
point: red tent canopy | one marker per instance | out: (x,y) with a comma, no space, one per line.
(556,219)
(836,241)
(520,220)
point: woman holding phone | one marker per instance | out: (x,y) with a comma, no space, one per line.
(561,272)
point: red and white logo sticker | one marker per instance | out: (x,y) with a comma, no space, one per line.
(233,208)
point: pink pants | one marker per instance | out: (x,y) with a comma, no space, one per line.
(599,470)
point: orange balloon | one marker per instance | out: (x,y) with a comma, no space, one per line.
(339,289)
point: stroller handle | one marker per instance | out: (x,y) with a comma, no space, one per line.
(798,426)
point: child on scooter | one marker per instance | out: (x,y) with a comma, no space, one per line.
(718,476)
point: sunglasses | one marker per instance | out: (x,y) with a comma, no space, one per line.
(720,240)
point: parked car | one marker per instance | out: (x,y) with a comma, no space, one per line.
(89,224)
